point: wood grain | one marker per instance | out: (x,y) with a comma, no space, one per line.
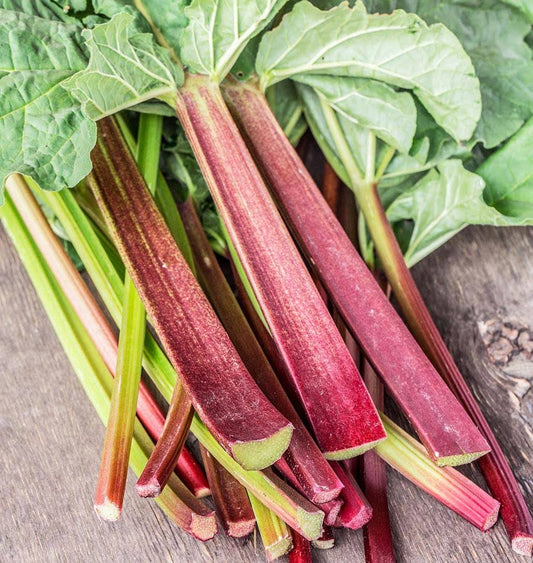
(51,438)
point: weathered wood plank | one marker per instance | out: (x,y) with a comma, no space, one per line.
(51,438)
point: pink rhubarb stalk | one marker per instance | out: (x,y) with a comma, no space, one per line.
(336,402)
(318,482)
(440,421)
(221,390)
(231,499)
(447,485)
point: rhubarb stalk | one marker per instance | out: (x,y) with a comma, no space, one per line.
(336,402)
(377,535)
(112,476)
(275,534)
(222,391)
(447,485)
(301,552)
(440,421)
(231,500)
(319,483)
(356,510)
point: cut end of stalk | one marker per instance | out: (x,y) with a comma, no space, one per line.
(323,543)
(522,544)
(240,529)
(462,459)
(310,523)
(150,489)
(259,454)
(278,549)
(492,518)
(202,492)
(108,510)
(204,527)
(351,452)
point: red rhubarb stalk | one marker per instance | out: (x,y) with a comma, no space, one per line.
(231,499)
(222,391)
(336,402)
(301,550)
(495,467)
(440,421)
(356,510)
(318,482)
(167,451)
(376,533)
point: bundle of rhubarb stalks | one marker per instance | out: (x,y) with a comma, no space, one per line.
(256,302)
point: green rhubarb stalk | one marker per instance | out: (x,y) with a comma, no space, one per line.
(447,485)
(188,513)
(111,485)
(112,477)
(275,534)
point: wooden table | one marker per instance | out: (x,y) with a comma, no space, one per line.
(51,438)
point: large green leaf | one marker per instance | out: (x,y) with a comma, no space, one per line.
(44,133)
(219,30)
(46,9)
(525,6)
(125,69)
(508,174)
(372,105)
(443,202)
(398,49)
(167,19)
(492,33)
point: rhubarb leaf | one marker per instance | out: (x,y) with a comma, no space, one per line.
(398,49)
(44,133)
(493,34)
(46,9)
(167,20)
(508,174)
(219,30)
(372,105)
(443,202)
(125,69)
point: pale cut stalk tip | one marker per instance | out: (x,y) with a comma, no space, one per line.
(150,489)
(107,510)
